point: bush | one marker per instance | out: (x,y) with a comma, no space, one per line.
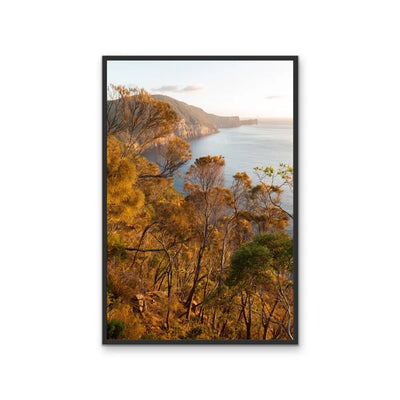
(115,328)
(150,336)
(194,332)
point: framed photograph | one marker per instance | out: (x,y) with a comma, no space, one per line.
(200,200)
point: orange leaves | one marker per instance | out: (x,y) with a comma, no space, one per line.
(174,154)
(123,199)
(206,172)
(209,160)
(137,119)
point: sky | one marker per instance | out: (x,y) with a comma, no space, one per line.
(248,89)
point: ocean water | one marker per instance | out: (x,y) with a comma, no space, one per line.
(267,144)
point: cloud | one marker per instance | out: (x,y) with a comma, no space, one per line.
(167,88)
(192,88)
(176,89)
(274,97)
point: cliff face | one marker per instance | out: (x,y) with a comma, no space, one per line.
(190,130)
(226,122)
(249,122)
(195,122)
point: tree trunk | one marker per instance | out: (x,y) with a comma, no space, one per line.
(265,330)
(266,324)
(222,259)
(249,323)
(189,300)
(213,319)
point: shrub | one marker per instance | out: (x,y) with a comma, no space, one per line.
(194,332)
(115,328)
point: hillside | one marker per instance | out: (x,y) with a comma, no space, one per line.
(196,122)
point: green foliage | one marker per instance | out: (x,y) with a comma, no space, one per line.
(280,247)
(194,332)
(116,246)
(150,336)
(248,265)
(268,171)
(115,328)
(285,173)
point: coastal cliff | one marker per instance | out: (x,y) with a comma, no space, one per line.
(249,122)
(195,122)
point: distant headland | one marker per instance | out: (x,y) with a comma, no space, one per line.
(195,122)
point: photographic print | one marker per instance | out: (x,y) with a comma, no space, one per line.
(200,199)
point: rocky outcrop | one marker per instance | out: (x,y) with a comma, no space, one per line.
(138,303)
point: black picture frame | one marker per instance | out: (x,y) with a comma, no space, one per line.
(295,340)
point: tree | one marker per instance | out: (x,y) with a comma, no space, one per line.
(137,119)
(265,207)
(203,183)
(262,269)
(268,178)
(278,289)
(172,232)
(171,156)
(195,257)
(124,200)
(248,270)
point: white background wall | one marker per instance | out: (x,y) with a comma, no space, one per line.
(50,159)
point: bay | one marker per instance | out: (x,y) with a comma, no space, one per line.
(269,143)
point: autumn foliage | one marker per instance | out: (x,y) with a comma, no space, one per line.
(214,263)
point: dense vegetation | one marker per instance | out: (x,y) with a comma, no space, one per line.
(213,264)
